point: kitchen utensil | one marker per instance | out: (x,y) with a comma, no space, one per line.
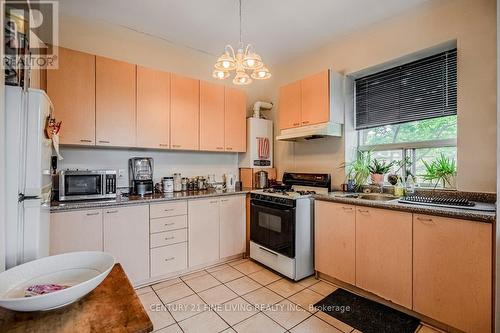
(81,271)
(261,179)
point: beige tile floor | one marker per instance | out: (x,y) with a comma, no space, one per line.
(241,296)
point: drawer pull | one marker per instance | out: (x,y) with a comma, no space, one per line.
(167,224)
(169,209)
(347,208)
(169,259)
(93,214)
(163,145)
(112,212)
(103,141)
(363,211)
(169,238)
(224,200)
(85,140)
(213,202)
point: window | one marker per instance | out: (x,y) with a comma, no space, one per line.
(409,112)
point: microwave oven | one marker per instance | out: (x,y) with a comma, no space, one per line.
(87,184)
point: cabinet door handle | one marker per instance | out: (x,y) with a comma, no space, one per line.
(169,259)
(425,220)
(213,202)
(224,200)
(305,122)
(111,212)
(169,238)
(296,124)
(229,148)
(347,208)
(219,148)
(103,141)
(93,214)
(167,224)
(363,211)
(163,145)
(85,140)
(176,146)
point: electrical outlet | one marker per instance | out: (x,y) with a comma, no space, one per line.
(121,173)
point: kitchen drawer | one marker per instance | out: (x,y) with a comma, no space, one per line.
(168,223)
(168,259)
(168,238)
(168,209)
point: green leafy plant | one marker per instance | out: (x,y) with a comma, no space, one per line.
(440,170)
(380,167)
(359,169)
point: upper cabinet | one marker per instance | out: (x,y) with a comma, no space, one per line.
(313,100)
(115,103)
(185,113)
(235,120)
(71,88)
(153,108)
(290,105)
(211,116)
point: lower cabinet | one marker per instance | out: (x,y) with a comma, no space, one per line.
(168,259)
(452,272)
(126,237)
(384,254)
(232,226)
(76,231)
(335,240)
(203,231)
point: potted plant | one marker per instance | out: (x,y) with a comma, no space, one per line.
(405,163)
(378,169)
(359,169)
(441,170)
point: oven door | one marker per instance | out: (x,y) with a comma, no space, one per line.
(273,226)
(81,186)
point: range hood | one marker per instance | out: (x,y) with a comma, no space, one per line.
(311,132)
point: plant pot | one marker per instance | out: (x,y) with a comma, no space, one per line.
(451,182)
(377,178)
(392,179)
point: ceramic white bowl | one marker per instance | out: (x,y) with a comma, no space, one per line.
(82,271)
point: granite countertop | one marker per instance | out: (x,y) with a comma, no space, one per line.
(459,213)
(57,206)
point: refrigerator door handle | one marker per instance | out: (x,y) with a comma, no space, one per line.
(21,197)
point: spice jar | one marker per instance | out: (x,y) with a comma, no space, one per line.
(184,184)
(177,182)
(168,184)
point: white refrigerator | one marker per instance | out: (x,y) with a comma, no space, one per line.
(28,177)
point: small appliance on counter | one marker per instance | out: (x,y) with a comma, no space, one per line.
(230,181)
(140,172)
(281,224)
(86,184)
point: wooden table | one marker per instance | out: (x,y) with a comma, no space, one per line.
(112,307)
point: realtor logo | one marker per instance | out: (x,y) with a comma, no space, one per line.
(30,33)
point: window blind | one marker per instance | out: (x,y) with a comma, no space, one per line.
(422,89)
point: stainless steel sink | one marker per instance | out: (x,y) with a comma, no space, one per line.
(376,197)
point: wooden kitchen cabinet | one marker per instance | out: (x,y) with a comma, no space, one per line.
(211,116)
(335,240)
(315,99)
(71,89)
(184,113)
(290,105)
(235,120)
(115,103)
(232,225)
(76,231)
(452,273)
(384,254)
(203,231)
(153,108)
(126,237)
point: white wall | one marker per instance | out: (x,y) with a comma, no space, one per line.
(2,164)
(189,164)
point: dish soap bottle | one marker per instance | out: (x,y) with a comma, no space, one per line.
(399,188)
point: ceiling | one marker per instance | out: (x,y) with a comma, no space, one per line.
(278,29)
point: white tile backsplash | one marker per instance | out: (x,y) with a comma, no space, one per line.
(188,163)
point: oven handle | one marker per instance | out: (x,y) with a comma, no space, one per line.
(259,203)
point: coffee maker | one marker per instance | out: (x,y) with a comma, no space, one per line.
(140,173)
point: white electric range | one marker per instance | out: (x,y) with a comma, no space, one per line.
(281,224)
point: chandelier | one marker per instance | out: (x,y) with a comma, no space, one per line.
(242,61)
